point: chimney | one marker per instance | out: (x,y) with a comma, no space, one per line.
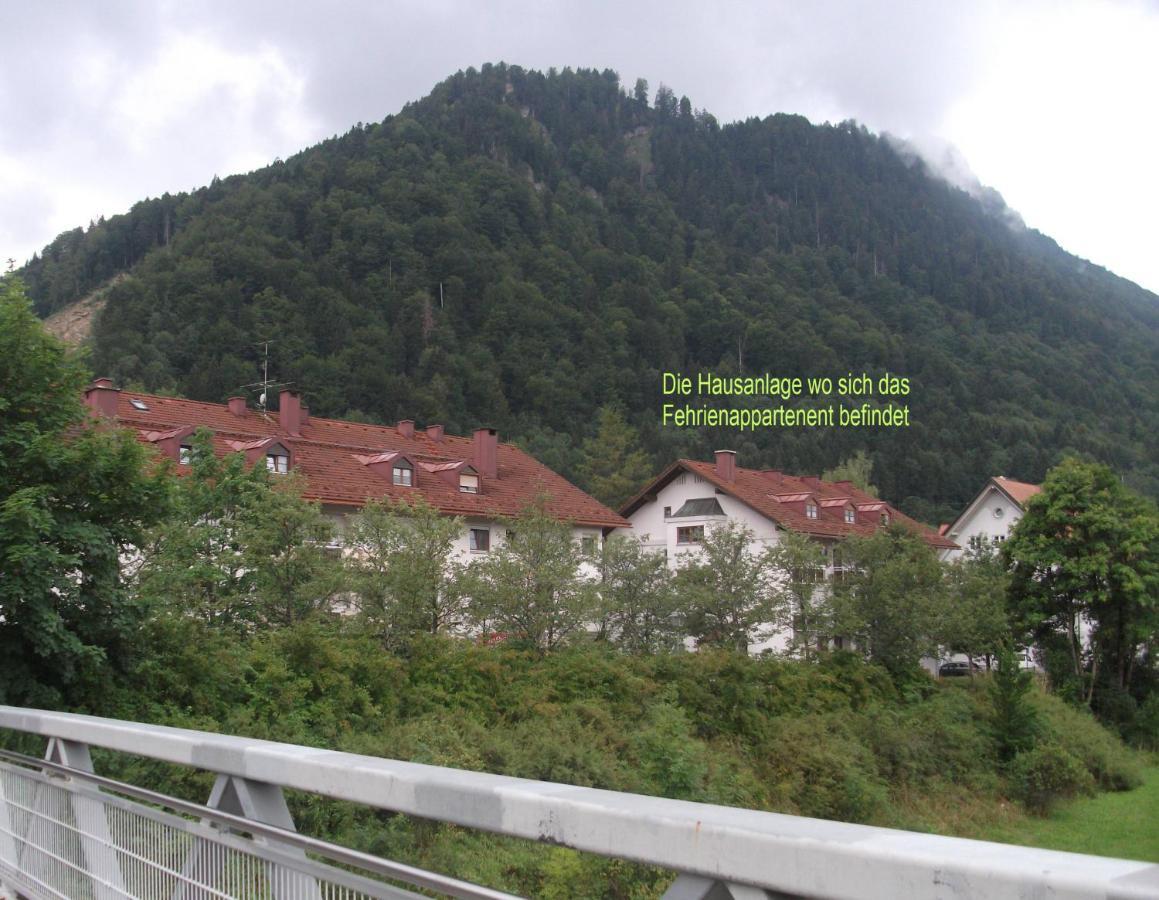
(726,465)
(290,412)
(101,397)
(237,406)
(407,428)
(435,433)
(305,414)
(486,456)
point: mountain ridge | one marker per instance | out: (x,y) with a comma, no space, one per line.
(526,248)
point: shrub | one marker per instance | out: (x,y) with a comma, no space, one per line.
(1046,774)
(1145,729)
(1109,762)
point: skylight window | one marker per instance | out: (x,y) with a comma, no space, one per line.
(139,404)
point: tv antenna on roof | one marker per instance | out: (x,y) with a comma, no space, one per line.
(265,384)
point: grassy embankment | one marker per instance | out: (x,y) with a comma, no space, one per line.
(1123,824)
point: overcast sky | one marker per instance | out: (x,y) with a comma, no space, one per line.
(1053,103)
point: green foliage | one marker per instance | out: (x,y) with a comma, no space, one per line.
(1105,758)
(974,620)
(728,592)
(73,499)
(639,607)
(526,249)
(1088,548)
(403,571)
(800,563)
(1046,774)
(1015,721)
(858,469)
(892,600)
(613,466)
(531,589)
(242,548)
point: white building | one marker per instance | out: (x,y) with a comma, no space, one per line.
(347,464)
(990,515)
(674,511)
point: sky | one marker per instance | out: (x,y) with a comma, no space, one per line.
(1052,103)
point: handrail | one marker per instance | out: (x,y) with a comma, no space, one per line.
(451,887)
(791,854)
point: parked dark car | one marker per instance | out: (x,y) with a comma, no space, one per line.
(956,669)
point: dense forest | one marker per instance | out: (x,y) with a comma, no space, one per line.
(526,249)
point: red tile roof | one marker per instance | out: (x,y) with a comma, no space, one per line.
(1018,491)
(759,490)
(331,455)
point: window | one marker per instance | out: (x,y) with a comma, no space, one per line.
(469,483)
(278,461)
(185,455)
(885,518)
(811,510)
(588,545)
(509,535)
(850,516)
(403,474)
(667,512)
(480,540)
(690,534)
(139,404)
(999,512)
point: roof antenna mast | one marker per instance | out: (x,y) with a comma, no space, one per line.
(265,384)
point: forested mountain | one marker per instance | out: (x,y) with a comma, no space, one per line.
(522,249)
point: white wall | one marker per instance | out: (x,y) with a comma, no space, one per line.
(658,533)
(992,518)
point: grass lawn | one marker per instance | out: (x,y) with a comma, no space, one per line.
(1124,824)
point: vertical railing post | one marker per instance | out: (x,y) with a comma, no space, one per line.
(98,849)
(258,801)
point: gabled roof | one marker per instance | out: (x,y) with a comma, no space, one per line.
(327,451)
(1017,492)
(759,489)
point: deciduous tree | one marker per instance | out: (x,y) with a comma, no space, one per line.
(74,497)
(403,570)
(531,588)
(728,591)
(1088,548)
(892,597)
(637,598)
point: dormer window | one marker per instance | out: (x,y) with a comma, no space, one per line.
(468,483)
(185,455)
(278,460)
(885,518)
(850,515)
(403,474)
(811,510)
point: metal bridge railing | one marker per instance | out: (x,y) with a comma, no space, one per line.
(67,832)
